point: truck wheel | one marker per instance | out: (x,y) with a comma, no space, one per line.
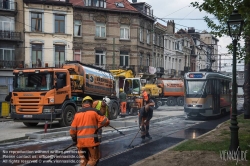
(67,116)
(180,101)
(171,101)
(113,110)
(30,124)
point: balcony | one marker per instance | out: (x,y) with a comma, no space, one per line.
(8,6)
(9,35)
(11,64)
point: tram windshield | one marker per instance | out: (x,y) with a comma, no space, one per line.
(195,87)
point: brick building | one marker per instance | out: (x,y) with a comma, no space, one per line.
(113,34)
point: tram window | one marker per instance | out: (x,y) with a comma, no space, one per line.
(195,87)
(227,87)
(208,87)
(222,85)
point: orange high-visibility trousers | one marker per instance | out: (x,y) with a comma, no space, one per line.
(89,156)
(123,107)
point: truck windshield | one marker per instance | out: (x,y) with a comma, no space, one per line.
(195,87)
(132,86)
(33,82)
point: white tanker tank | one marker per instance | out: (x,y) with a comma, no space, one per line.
(88,80)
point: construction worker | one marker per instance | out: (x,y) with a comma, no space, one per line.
(145,114)
(84,132)
(145,97)
(123,102)
(102,107)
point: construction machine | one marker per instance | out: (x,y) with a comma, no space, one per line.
(172,91)
(132,86)
(55,94)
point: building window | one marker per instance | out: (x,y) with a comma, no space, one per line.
(124,32)
(158,40)
(173,46)
(154,60)
(165,43)
(141,59)
(148,36)
(36,22)
(7,23)
(59,24)
(6,54)
(7,4)
(59,55)
(124,58)
(77,27)
(148,60)
(77,55)
(141,34)
(162,61)
(100,58)
(36,55)
(169,44)
(153,38)
(180,66)
(100,30)
(95,3)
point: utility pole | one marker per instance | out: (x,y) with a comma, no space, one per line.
(113,53)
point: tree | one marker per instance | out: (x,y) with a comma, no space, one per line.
(222,9)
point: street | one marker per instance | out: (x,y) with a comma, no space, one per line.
(116,149)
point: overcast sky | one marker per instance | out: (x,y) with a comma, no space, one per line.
(184,16)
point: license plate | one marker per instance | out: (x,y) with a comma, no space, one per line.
(27,116)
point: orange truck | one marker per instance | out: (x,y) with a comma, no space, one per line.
(172,92)
(55,94)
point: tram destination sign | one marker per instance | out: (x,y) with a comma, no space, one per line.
(196,75)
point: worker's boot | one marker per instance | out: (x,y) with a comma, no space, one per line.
(148,136)
(143,139)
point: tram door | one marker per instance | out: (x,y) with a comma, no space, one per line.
(216,96)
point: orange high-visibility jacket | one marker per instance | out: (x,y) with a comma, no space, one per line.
(145,96)
(84,127)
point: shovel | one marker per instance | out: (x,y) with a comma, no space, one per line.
(129,146)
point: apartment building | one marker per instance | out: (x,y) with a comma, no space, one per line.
(158,41)
(48,32)
(11,42)
(182,56)
(211,43)
(169,49)
(177,51)
(113,34)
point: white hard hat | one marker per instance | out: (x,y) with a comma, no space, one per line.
(106,100)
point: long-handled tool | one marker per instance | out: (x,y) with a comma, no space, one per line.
(54,156)
(133,139)
(117,130)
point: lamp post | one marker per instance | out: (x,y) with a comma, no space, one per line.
(235,24)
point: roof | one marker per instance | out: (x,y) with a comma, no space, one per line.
(110,4)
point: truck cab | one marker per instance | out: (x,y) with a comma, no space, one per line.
(40,95)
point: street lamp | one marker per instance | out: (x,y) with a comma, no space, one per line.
(235,24)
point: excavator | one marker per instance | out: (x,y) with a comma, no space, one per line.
(132,86)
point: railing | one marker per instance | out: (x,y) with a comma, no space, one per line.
(10,35)
(11,64)
(7,5)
